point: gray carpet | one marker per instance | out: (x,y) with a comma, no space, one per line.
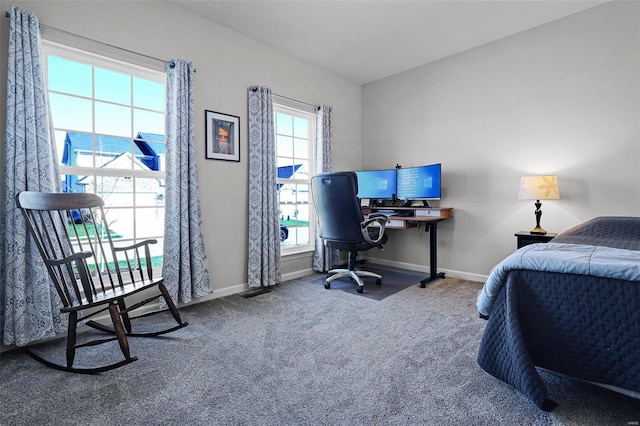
(393,281)
(302,355)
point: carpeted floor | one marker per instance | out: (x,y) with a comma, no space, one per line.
(303,355)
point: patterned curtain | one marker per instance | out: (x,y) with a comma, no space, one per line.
(323,258)
(185,268)
(264,227)
(29,306)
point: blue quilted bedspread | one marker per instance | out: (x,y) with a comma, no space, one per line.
(599,261)
(570,306)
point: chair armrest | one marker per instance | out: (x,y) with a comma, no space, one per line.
(135,262)
(381,221)
(81,269)
(136,245)
(69,259)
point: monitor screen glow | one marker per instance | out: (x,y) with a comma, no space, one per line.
(377,184)
(419,183)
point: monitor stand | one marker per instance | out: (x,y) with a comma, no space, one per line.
(409,203)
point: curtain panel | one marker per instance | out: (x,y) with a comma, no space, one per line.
(323,257)
(264,263)
(185,268)
(29,306)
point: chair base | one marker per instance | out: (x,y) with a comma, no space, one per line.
(354,275)
(35,354)
(119,314)
(111,330)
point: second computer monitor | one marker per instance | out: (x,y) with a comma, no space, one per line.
(377,184)
(419,183)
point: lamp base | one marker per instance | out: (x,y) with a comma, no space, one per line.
(537,230)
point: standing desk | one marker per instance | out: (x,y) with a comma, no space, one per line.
(430,216)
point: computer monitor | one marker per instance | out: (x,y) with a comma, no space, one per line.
(419,183)
(377,184)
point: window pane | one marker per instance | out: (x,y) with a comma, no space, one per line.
(70,113)
(282,163)
(113,119)
(301,127)
(69,76)
(295,217)
(156,252)
(112,86)
(121,222)
(148,94)
(303,169)
(287,214)
(303,195)
(284,146)
(149,222)
(149,192)
(286,194)
(284,124)
(115,191)
(301,148)
(113,152)
(148,122)
(73,183)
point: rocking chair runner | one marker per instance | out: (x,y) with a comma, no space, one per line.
(91,275)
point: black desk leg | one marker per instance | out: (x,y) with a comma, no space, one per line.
(433,256)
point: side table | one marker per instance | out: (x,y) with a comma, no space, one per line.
(525,238)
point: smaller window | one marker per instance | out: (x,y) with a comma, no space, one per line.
(294,130)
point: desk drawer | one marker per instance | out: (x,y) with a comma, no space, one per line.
(396,224)
(429,213)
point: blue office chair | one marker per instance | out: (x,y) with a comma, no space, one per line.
(342,224)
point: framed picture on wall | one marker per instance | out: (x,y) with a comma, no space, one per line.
(222,133)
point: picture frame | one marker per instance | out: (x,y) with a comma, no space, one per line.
(222,136)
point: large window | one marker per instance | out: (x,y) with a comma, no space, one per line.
(295,130)
(108,119)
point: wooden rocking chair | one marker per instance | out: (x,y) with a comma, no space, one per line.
(90,273)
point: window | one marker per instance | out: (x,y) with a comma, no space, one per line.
(108,119)
(295,137)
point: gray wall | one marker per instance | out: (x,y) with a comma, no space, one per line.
(562,98)
(226,64)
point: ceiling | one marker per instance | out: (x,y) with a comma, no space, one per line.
(364,40)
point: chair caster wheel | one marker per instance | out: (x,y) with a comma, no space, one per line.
(379,281)
(360,289)
(327,286)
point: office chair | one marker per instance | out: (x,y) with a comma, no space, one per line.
(342,224)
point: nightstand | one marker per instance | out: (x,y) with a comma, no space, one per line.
(525,238)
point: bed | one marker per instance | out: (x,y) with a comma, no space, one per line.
(571,306)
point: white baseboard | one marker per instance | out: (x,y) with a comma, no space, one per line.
(297,274)
(425,268)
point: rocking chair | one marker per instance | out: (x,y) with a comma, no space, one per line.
(91,275)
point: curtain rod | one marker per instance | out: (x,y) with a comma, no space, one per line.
(295,100)
(7,15)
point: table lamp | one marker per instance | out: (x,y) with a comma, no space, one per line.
(539,188)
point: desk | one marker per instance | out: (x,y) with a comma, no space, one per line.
(430,216)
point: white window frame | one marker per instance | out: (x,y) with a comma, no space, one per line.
(84,56)
(298,109)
